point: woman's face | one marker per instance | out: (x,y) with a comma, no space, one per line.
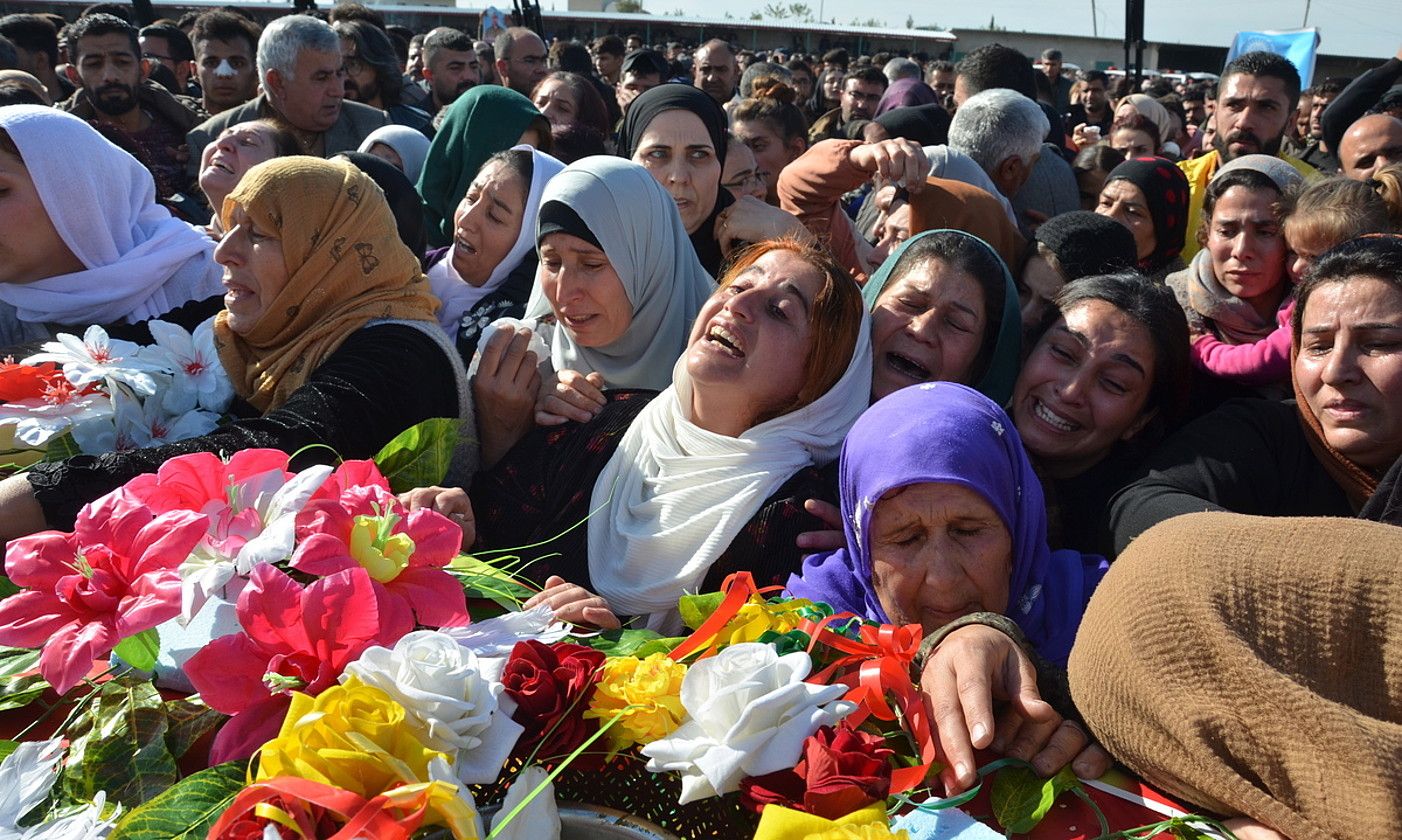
(1132,142)
(832,86)
(771,154)
(741,173)
(32,250)
(254,270)
(677,150)
(588,297)
(555,100)
(1037,290)
(386,153)
(938,552)
(1126,204)
(1084,387)
(927,326)
(487,222)
(1089,183)
(1247,247)
(749,347)
(1350,368)
(236,150)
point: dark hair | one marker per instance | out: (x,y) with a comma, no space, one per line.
(1377,255)
(1154,307)
(569,143)
(838,56)
(870,75)
(445,38)
(773,104)
(996,66)
(9,56)
(1194,93)
(32,33)
(610,45)
(285,143)
(14,93)
(100,24)
(219,25)
(798,65)
(519,162)
(589,105)
(1100,156)
(179,42)
(373,47)
(1270,65)
(965,253)
(1332,86)
(571,57)
(1218,186)
(1094,76)
(348,12)
(1051,54)
(941,66)
(121,11)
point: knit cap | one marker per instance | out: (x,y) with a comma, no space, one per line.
(1086,243)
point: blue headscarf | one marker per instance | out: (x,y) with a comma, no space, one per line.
(941,432)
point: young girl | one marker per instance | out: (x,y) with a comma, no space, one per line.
(1324,213)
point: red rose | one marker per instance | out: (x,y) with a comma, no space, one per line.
(841,771)
(551,685)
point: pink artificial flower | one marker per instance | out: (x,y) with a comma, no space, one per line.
(405,551)
(202,481)
(113,577)
(352,474)
(294,639)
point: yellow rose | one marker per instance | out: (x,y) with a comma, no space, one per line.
(647,692)
(757,616)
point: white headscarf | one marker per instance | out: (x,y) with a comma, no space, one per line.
(641,231)
(140,261)
(410,145)
(458,295)
(674,496)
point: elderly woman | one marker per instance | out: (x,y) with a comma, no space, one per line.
(945,528)
(88,244)
(237,149)
(488,271)
(327,335)
(620,284)
(706,478)
(483,121)
(1323,454)
(1150,197)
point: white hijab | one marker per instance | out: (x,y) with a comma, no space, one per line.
(410,145)
(674,496)
(459,296)
(141,262)
(641,231)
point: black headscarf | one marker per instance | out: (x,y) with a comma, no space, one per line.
(404,201)
(1165,189)
(927,125)
(676,97)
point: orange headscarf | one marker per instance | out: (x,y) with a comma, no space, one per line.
(346,266)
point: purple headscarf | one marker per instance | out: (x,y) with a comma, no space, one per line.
(905,93)
(941,432)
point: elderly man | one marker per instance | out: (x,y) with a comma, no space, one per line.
(451,67)
(1370,144)
(113,90)
(1002,131)
(521,59)
(716,71)
(225,46)
(1255,100)
(304,87)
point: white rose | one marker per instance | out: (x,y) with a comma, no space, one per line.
(748,713)
(451,696)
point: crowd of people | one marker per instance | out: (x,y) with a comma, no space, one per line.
(936,343)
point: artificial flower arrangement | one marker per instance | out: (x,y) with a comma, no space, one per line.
(98,394)
(354,698)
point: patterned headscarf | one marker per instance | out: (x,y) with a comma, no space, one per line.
(1165,189)
(345,267)
(940,432)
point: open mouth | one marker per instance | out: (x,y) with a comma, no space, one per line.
(464,246)
(726,340)
(577,321)
(1051,418)
(907,367)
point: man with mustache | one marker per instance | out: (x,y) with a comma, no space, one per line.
(113,91)
(1255,102)
(451,67)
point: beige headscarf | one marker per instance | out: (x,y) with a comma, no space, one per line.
(346,266)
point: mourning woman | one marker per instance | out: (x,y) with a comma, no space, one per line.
(86,244)
(327,335)
(1149,196)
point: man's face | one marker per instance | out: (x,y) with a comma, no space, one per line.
(1093,95)
(634,43)
(228,75)
(361,82)
(803,85)
(943,83)
(414,67)
(859,99)
(607,64)
(486,64)
(311,99)
(1252,112)
(1195,110)
(1317,106)
(157,48)
(1301,116)
(634,83)
(1370,144)
(110,72)
(1052,67)
(450,73)
(526,66)
(715,72)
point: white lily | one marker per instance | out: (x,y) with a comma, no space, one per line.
(96,357)
(200,379)
(135,424)
(26,776)
(497,636)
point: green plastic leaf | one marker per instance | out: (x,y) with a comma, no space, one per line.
(19,691)
(419,456)
(14,661)
(7,587)
(61,448)
(187,810)
(118,744)
(695,609)
(188,721)
(140,651)
(1020,798)
(6,747)
(639,643)
(483,581)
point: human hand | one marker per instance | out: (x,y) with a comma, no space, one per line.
(899,162)
(574,604)
(826,540)
(505,389)
(1084,136)
(570,395)
(750,220)
(452,502)
(1248,829)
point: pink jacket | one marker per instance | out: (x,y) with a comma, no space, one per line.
(1264,362)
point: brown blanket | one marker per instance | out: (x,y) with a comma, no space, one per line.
(1253,666)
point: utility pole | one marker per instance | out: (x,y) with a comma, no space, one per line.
(1095,24)
(1307,15)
